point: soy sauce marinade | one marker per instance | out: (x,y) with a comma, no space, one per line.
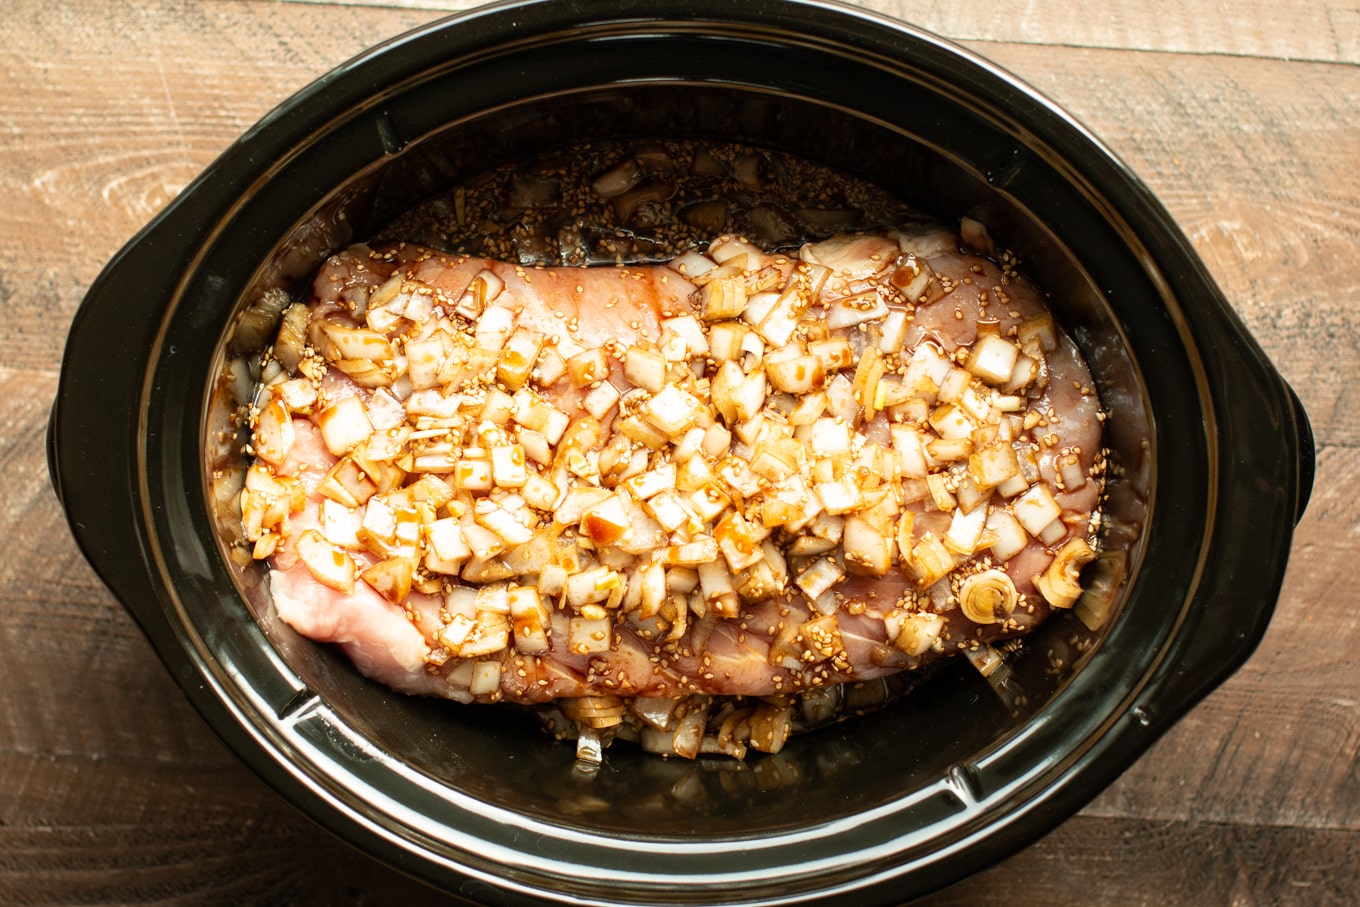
(624,203)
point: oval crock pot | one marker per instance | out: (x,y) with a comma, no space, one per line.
(1212,454)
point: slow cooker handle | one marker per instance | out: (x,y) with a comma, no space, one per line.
(92,429)
(1206,649)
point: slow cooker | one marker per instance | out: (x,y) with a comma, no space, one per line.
(1212,452)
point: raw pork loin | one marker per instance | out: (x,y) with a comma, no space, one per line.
(632,489)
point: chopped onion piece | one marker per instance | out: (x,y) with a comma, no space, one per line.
(587,367)
(347,484)
(716,582)
(928,363)
(751,352)
(1007,536)
(489,634)
(828,438)
(840,496)
(852,310)
(801,375)
(779,321)
(910,450)
(728,248)
(1039,328)
(645,368)
(340,524)
(672,411)
(530,620)
(509,468)
(835,353)
(344,424)
(446,549)
(690,332)
(1025,372)
(652,482)
(472,475)
(1103,580)
(941,496)
(357,343)
(483,290)
(758,306)
(274,435)
(606,521)
(549,367)
(708,503)
(867,550)
(1060,584)
(821,639)
(737,541)
(1013,486)
(431,402)
(298,394)
(591,586)
(965,529)
(518,356)
(914,278)
(993,359)
(914,633)
(576,501)
(1070,474)
(692,264)
(504,523)
(725,341)
(486,678)
(391,578)
(987,597)
(692,553)
(493,328)
(948,450)
(601,400)
(840,399)
(930,560)
(331,566)
(1053,532)
(722,298)
(894,332)
(1036,509)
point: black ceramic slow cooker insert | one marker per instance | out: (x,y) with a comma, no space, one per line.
(1213,453)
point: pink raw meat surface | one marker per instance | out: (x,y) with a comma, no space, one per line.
(611,308)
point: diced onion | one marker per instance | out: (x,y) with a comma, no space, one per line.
(790,424)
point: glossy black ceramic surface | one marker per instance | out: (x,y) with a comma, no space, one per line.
(1214,456)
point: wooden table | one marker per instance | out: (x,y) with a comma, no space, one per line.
(1243,116)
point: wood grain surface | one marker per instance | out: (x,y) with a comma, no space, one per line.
(1243,116)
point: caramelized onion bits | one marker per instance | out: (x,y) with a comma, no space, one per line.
(816,450)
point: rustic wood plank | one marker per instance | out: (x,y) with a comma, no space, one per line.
(112,790)
(1325,30)
(237,856)
(213,836)
(75,663)
(1285,730)
(93,158)
(1121,863)
(1322,30)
